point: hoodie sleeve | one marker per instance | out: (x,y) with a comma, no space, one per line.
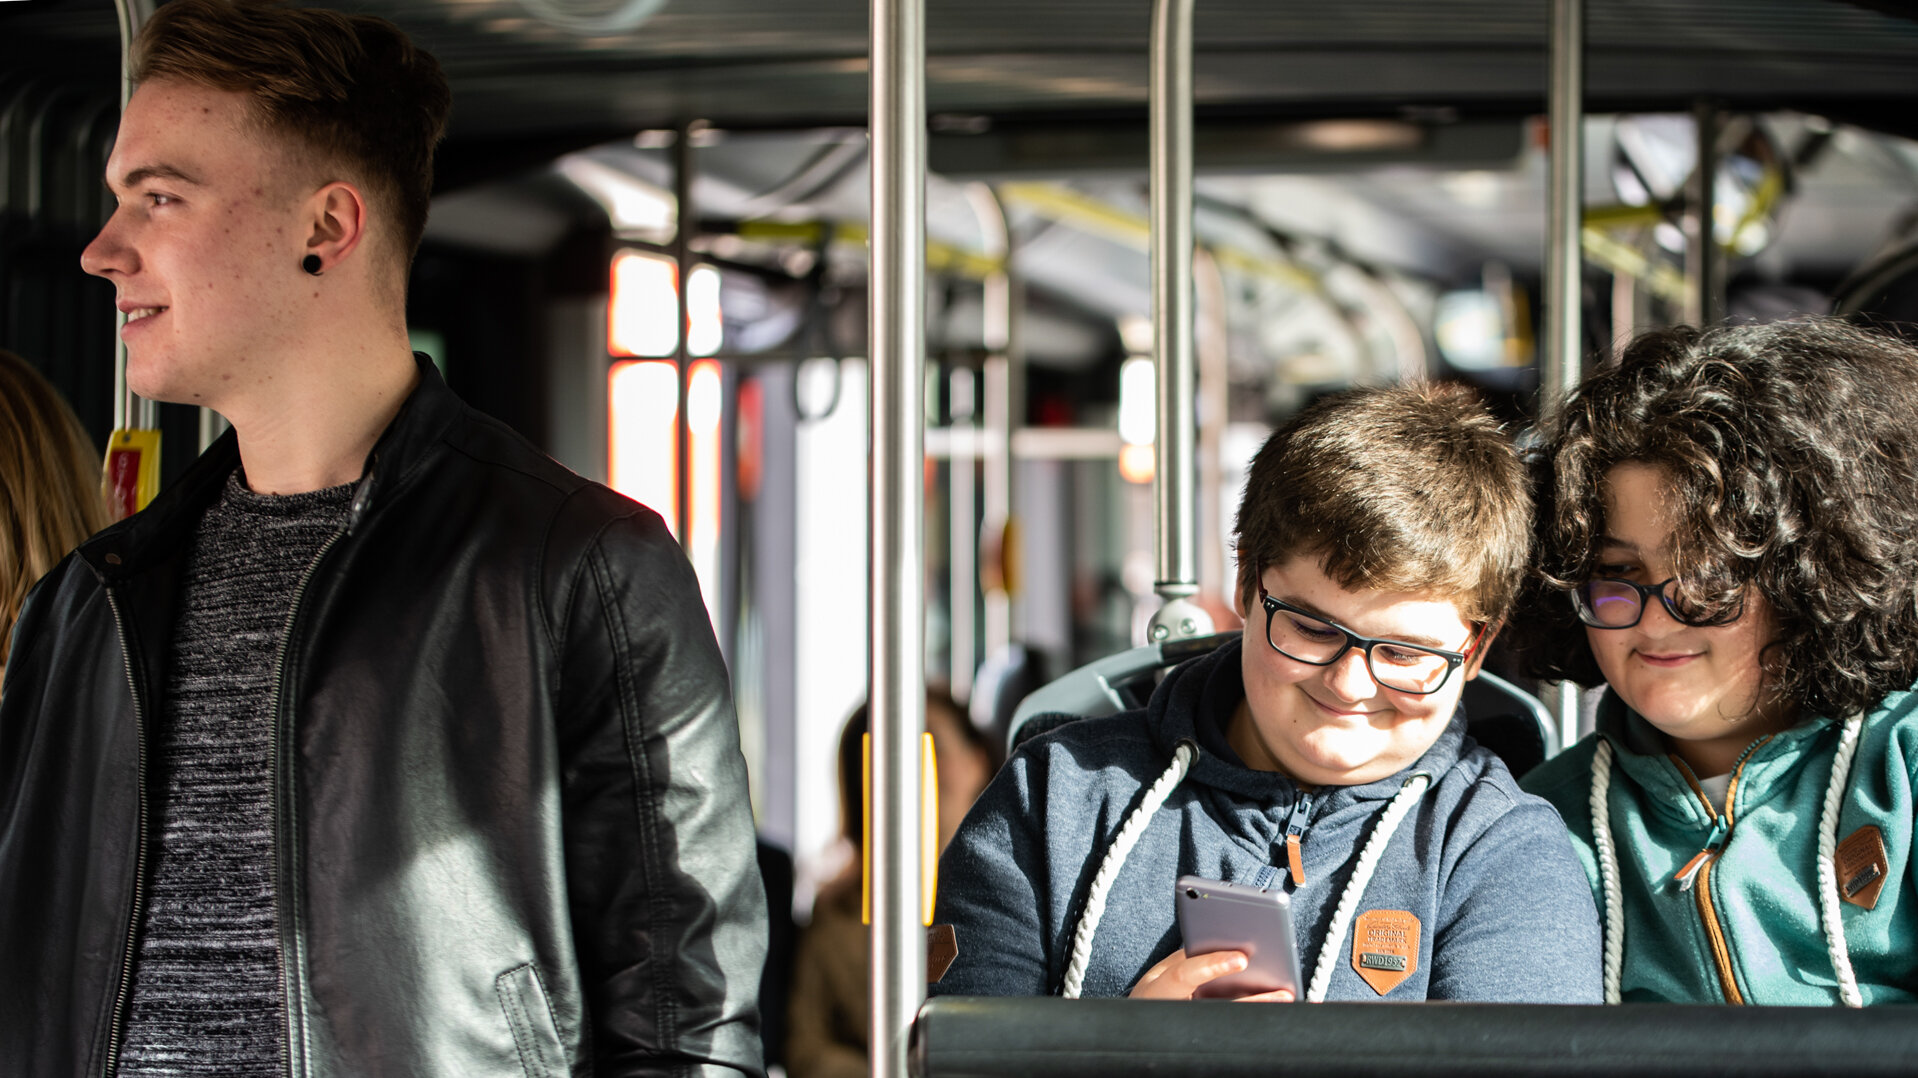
(1517,920)
(993,888)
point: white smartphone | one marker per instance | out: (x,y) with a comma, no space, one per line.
(1217,916)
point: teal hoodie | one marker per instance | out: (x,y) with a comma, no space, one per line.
(1749,930)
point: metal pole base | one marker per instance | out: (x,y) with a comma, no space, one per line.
(1177,619)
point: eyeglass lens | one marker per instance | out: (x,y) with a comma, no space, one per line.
(1618,604)
(1394,666)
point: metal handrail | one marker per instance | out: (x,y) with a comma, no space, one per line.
(1564,263)
(895,522)
(1172,323)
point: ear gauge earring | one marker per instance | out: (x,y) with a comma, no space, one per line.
(311,264)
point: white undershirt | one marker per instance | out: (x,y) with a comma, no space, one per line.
(1716,789)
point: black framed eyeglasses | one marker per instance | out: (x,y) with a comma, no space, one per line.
(1306,637)
(1611,603)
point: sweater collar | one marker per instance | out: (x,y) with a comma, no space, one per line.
(159,532)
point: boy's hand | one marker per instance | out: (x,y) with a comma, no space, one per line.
(1178,975)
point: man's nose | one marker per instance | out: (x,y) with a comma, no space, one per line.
(109,252)
(1350,678)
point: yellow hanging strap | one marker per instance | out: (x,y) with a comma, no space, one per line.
(928,829)
(133,470)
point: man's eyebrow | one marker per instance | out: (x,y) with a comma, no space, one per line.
(1607,541)
(1421,641)
(156,172)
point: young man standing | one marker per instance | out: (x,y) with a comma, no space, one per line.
(379,744)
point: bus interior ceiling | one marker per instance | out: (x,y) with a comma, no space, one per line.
(1370,201)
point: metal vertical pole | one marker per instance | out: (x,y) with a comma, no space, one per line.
(1706,302)
(1564,306)
(897,403)
(1172,322)
(963,533)
(684,218)
(129,411)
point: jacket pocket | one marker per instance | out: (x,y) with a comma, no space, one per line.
(522,995)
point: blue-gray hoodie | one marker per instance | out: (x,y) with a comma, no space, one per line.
(1503,908)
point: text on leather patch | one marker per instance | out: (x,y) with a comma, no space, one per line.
(1385,948)
(1862,866)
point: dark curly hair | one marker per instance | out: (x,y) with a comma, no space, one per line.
(1792,450)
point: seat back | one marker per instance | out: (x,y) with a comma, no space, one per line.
(1499,715)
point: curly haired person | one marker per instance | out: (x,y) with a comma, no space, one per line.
(1734,517)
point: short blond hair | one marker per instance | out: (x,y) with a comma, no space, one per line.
(50,491)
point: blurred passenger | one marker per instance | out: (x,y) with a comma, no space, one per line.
(50,495)
(827,1035)
(1730,539)
(379,743)
(1382,538)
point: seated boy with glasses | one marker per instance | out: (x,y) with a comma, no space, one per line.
(1382,537)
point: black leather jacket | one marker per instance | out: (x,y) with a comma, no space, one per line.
(510,821)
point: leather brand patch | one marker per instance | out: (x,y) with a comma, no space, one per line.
(942,946)
(1385,948)
(1862,866)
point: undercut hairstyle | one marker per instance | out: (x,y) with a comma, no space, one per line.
(1412,488)
(351,89)
(1791,454)
(50,489)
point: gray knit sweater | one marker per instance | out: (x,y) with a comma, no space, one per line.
(206,984)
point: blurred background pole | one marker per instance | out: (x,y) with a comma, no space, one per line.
(685,220)
(1705,301)
(1564,263)
(1172,324)
(897,586)
(129,412)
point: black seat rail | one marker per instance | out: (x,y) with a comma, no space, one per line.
(969,1037)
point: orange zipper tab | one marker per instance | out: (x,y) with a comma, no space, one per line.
(1688,875)
(1295,826)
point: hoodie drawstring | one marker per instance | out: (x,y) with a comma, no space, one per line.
(1402,803)
(1608,868)
(1155,798)
(1828,909)
(1121,848)
(1828,873)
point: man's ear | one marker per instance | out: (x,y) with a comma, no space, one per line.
(1241,586)
(1477,659)
(337,222)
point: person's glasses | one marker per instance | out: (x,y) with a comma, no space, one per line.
(1609,603)
(1408,668)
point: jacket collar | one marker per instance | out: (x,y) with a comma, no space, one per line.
(1639,750)
(157,533)
(1208,689)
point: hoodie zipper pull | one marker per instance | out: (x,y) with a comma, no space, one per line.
(1689,874)
(1294,837)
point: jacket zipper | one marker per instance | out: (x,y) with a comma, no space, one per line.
(282,809)
(1295,826)
(1696,876)
(121,997)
